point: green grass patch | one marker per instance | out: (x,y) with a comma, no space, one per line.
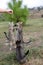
(36,52)
(10,59)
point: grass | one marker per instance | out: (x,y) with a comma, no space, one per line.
(33,32)
(35,53)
